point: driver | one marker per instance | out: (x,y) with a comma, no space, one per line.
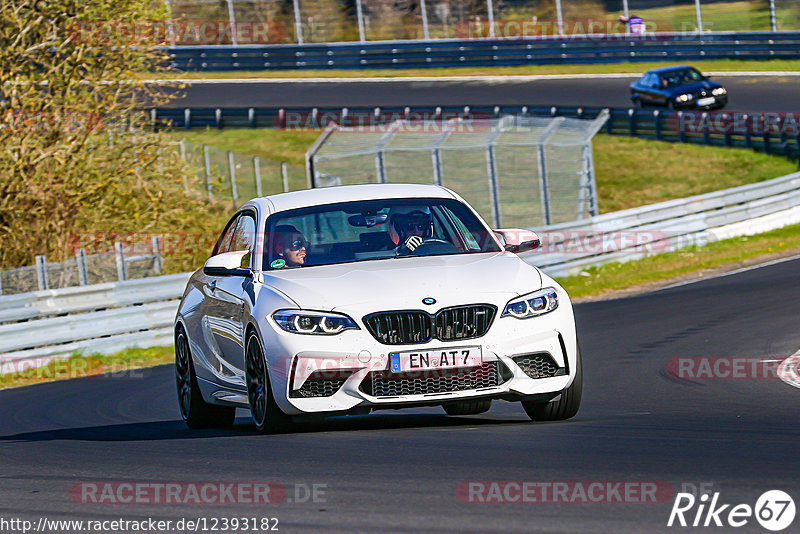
(409,227)
(290,247)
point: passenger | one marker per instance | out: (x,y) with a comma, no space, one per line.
(291,247)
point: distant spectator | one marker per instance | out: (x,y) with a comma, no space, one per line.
(635,23)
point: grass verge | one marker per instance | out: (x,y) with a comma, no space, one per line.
(634,172)
(83,366)
(717,65)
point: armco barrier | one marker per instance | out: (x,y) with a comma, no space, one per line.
(491,52)
(110,317)
(772,133)
(668,226)
(37,327)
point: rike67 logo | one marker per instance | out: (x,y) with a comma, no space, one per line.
(774,510)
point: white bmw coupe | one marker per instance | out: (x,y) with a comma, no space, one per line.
(349,299)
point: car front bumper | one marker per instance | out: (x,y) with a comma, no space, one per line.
(347,369)
(719,101)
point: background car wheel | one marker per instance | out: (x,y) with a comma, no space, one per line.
(196,412)
(266,414)
(566,406)
(468,407)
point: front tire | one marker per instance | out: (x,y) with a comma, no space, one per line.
(468,407)
(566,406)
(196,412)
(266,414)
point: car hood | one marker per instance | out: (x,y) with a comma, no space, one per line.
(402,283)
(693,88)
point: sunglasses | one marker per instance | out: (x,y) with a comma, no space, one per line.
(421,226)
(297,244)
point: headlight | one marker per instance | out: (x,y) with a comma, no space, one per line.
(684,98)
(719,91)
(313,322)
(532,305)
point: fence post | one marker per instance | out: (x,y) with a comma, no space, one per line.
(544,188)
(232,20)
(437,166)
(83,269)
(490,11)
(657,120)
(681,128)
(380,167)
(699,15)
(298,26)
(492,171)
(632,122)
(119,253)
(285,176)
(360,16)
(706,128)
(257,174)
(182,146)
(41,273)
(773,19)
(748,140)
(627,15)
(251,117)
(187,118)
(158,259)
(232,174)
(424,14)
(208,171)
(560,19)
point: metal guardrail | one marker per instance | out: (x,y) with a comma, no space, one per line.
(37,327)
(668,226)
(491,52)
(772,134)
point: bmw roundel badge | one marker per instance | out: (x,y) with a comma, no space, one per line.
(429,300)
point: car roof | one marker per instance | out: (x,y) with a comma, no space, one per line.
(662,70)
(344,193)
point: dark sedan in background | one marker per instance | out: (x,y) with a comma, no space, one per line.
(678,87)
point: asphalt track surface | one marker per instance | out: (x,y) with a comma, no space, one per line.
(761,93)
(398,471)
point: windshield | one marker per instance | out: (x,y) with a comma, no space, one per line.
(372,230)
(680,77)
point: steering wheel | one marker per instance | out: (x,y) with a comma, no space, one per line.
(430,247)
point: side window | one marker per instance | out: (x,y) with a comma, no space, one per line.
(224,241)
(245,235)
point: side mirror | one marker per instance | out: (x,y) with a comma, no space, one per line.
(227,264)
(518,240)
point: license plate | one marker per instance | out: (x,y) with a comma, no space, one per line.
(421,360)
(706,101)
